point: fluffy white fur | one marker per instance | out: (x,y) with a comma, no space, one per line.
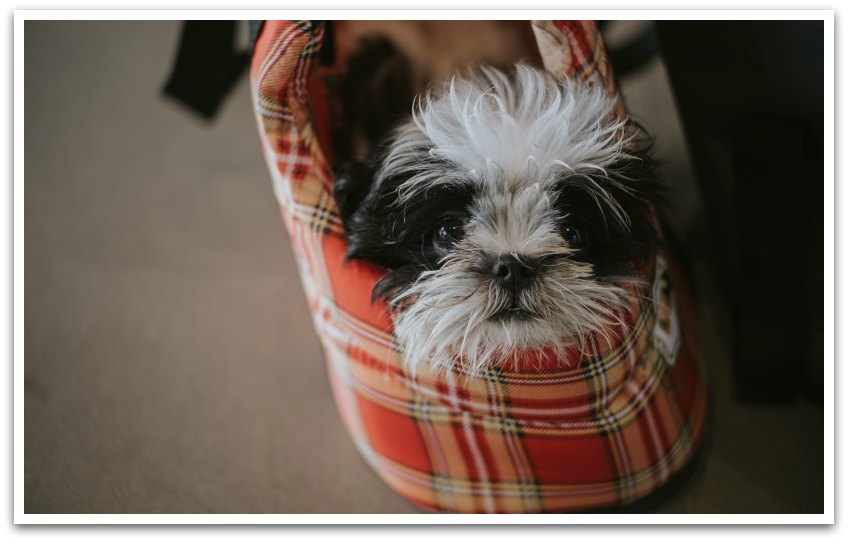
(524,131)
(510,138)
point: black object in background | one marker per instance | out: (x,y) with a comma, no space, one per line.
(634,54)
(207,65)
(751,99)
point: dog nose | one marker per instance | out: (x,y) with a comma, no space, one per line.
(514,274)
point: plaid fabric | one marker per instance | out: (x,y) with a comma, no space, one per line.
(610,428)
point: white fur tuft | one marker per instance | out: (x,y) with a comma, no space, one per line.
(528,129)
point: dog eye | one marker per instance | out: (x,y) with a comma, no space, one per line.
(576,236)
(448,231)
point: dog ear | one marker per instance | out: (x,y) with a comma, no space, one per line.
(618,207)
(636,184)
(362,216)
(353,182)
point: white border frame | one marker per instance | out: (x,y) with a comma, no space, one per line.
(21,16)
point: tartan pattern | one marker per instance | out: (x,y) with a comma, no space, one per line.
(611,427)
(588,55)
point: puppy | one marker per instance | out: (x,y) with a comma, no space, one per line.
(512,211)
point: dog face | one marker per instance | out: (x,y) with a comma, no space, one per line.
(510,210)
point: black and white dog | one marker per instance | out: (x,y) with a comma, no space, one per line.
(511,209)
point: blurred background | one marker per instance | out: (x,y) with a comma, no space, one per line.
(170,361)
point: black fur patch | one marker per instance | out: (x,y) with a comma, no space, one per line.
(614,246)
(395,235)
(375,95)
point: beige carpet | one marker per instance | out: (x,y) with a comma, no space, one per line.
(171,365)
